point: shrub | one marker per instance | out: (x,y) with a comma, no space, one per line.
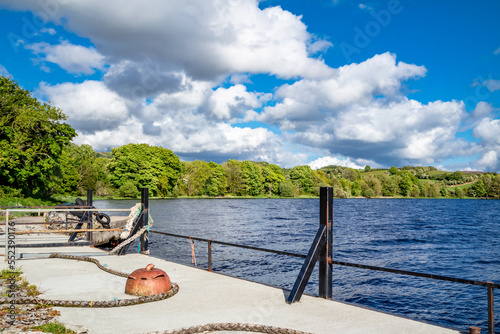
(128,189)
(288,189)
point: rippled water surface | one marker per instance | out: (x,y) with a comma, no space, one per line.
(458,238)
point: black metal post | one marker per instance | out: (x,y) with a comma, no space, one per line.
(145,218)
(491,316)
(325,256)
(320,249)
(90,197)
(89,215)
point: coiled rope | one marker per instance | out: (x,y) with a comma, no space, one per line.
(241,327)
(93,303)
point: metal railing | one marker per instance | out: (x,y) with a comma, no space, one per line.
(10,227)
(489,285)
(140,222)
(321,250)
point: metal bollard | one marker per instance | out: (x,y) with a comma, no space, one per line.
(475,330)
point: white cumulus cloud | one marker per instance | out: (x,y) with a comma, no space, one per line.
(328,161)
(90,106)
(72,58)
(227,103)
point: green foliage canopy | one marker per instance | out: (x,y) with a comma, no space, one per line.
(145,166)
(32,137)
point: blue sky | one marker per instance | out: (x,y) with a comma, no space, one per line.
(383,83)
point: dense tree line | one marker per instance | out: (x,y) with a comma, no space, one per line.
(38,160)
(130,167)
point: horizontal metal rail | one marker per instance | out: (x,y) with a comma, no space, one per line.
(417,274)
(70,231)
(231,244)
(46,223)
(63,209)
(3,208)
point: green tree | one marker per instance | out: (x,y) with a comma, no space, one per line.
(288,189)
(495,187)
(253,179)
(216,184)
(234,177)
(80,164)
(393,170)
(273,177)
(320,179)
(68,171)
(128,189)
(301,176)
(32,137)
(372,186)
(350,174)
(455,176)
(390,185)
(143,165)
(103,184)
(194,178)
(477,189)
(407,182)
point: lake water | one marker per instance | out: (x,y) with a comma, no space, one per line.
(457,238)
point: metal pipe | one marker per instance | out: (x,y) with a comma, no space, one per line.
(231,244)
(491,306)
(90,236)
(209,255)
(70,231)
(325,255)
(44,223)
(7,236)
(64,209)
(417,274)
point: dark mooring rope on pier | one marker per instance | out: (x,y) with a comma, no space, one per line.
(91,303)
(239,327)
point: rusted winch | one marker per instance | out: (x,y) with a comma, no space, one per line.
(147,282)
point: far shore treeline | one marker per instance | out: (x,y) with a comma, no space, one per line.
(39,164)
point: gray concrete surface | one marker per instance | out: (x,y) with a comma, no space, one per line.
(203,298)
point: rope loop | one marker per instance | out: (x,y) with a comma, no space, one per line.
(239,327)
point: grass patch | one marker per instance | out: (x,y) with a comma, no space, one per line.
(9,273)
(54,327)
(31,290)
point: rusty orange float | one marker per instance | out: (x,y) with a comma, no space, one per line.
(147,282)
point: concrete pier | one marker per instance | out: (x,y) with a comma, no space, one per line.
(204,297)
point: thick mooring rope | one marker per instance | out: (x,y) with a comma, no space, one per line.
(128,241)
(240,327)
(88,303)
(89,259)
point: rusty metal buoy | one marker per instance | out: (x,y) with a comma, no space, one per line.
(147,282)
